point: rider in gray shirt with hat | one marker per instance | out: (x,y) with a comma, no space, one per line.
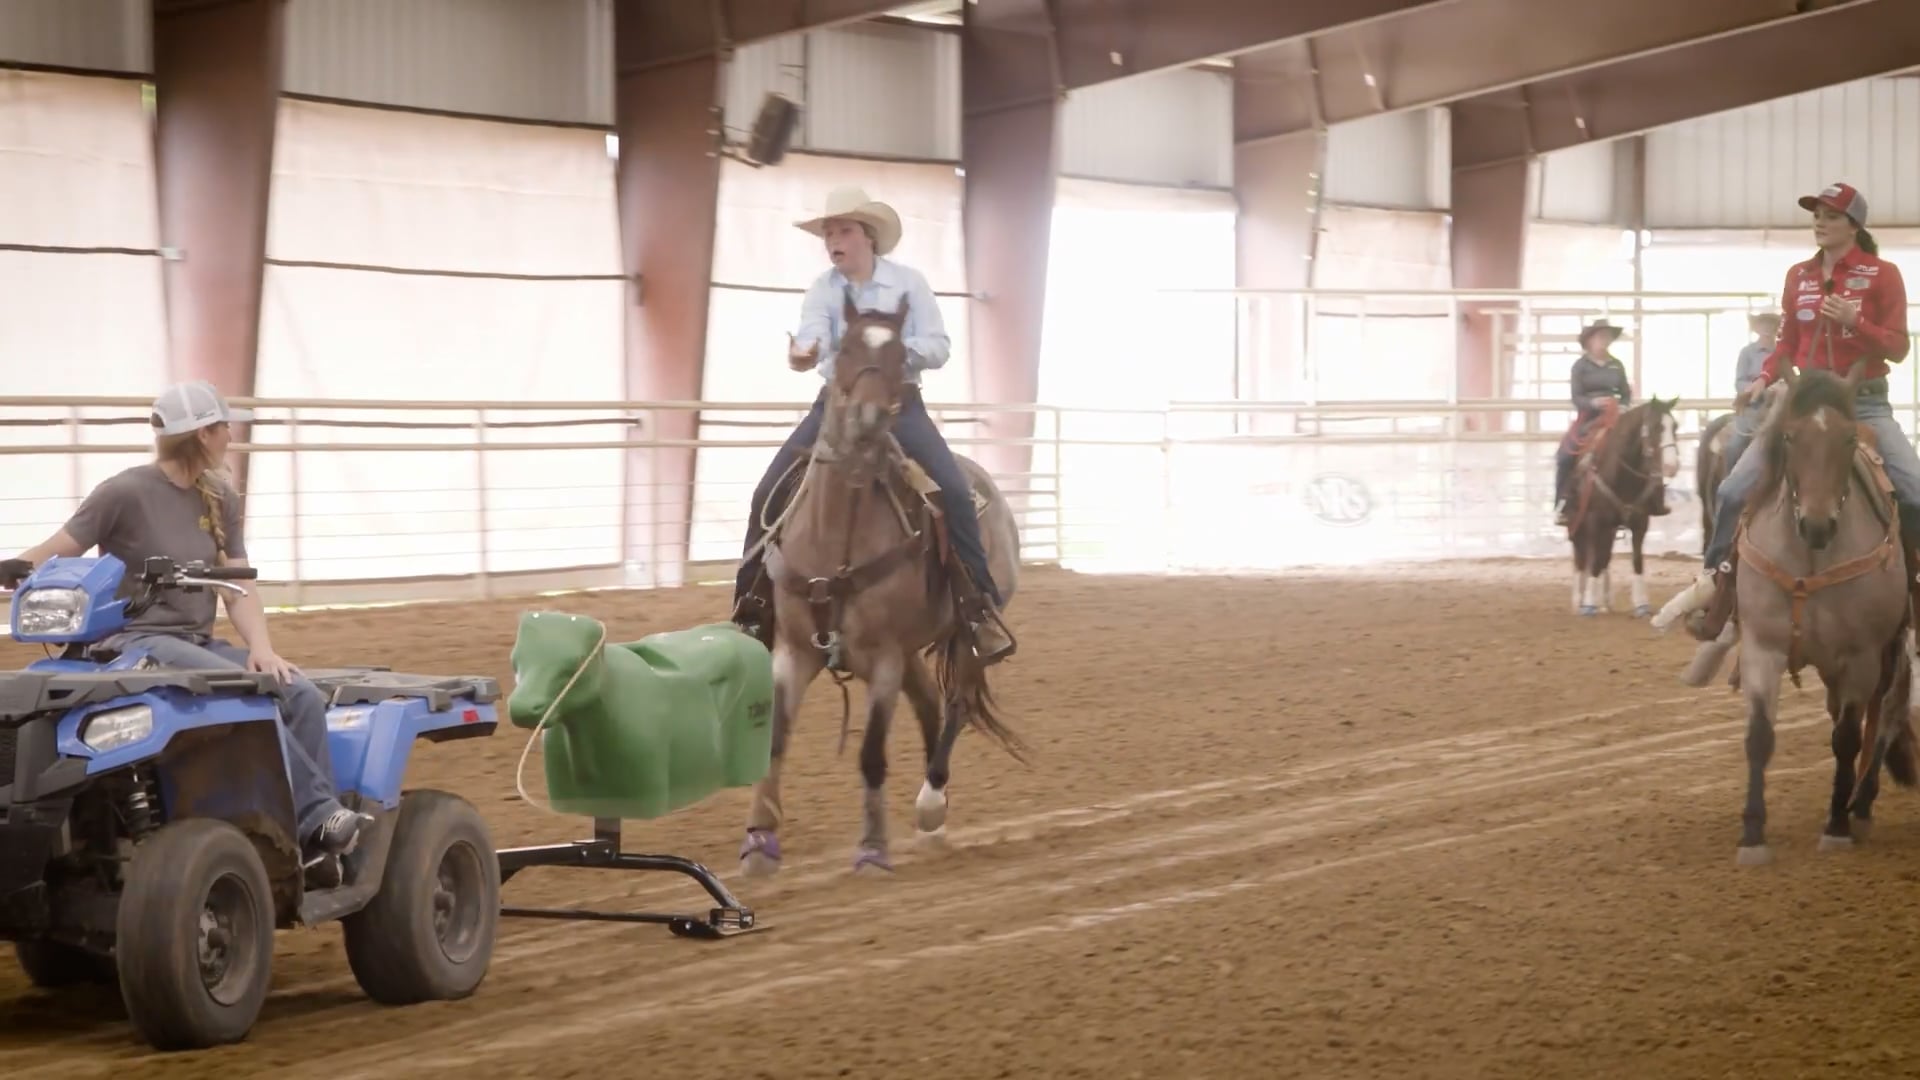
(180,507)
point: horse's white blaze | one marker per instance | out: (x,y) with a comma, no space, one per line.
(1669,448)
(876,336)
(1820,419)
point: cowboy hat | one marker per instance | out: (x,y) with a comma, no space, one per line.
(852,204)
(1601,326)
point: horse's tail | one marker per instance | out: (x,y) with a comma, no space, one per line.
(963,684)
(1894,714)
(1903,756)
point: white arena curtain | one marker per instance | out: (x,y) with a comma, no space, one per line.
(76,173)
(373,188)
(1381,348)
(762,265)
(1122,334)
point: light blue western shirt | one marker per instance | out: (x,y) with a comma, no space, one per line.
(823,317)
(1752,359)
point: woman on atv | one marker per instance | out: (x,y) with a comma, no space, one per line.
(179,508)
(858,232)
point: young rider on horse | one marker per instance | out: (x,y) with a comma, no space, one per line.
(179,507)
(1599,383)
(858,232)
(1765,326)
(1843,307)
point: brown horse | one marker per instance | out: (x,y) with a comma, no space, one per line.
(1822,584)
(1710,467)
(1621,477)
(864,583)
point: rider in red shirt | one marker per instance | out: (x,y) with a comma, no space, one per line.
(1818,332)
(1844,307)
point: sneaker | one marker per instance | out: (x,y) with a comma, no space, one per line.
(341,832)
(1695,597)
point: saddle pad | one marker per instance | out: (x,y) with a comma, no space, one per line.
(923,485)
(1873,473)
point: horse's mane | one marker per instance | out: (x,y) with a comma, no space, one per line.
(1624,436)
(1810,392)
(1820,389)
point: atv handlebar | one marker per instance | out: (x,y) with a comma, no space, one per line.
(158,573)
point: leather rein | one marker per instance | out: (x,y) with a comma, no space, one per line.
(827,596)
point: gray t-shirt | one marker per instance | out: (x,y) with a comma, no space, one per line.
(139,514)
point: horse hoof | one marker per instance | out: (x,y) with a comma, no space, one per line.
(760,854)
(930,808)
(1587,610)
(935,839)
(1835,843)
(1755,856)
(1641,611)
(868,861)
(1861,828)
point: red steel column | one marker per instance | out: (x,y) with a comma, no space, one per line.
(668,182)
(1009,151)
(216,73)
(1488,252)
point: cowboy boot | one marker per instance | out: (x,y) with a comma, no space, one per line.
(1698,596)
(753,610)
(1713,618)
(992,642)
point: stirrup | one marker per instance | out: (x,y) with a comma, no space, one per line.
(992,641)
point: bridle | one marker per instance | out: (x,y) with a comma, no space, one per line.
(827,596)
(1652,445)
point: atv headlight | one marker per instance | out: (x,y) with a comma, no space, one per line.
(51,612)
(116,728)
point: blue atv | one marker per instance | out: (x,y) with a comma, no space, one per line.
(147,828)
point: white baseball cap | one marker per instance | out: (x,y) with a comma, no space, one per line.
(190,406)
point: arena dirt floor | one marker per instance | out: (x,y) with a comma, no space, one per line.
(1415,823)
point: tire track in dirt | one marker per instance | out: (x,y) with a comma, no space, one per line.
(1566,756)
(1270,829)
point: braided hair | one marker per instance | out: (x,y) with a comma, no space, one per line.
(186,451)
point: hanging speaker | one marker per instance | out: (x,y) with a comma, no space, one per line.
(773,130)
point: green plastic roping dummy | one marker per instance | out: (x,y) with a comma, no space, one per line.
(646,727)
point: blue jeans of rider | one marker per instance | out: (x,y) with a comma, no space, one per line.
(915,431)
(1872,409)
(303,710)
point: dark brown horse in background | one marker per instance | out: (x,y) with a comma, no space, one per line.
(864,583)
(1624,465)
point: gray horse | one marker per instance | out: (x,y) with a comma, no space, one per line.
(1823,584)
